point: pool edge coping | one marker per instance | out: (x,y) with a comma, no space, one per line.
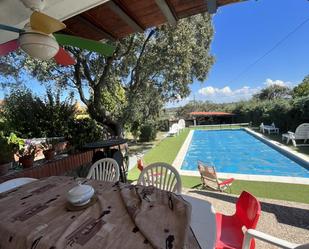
(281,147)
(183,151)
(265,178)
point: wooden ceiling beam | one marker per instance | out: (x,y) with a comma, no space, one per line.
(124,16)
(211,6)
(94,27)
(167,12)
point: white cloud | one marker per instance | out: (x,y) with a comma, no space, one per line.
(211,91)
(270,82)
(227,94)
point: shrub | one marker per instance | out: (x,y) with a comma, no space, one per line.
(148,133)
(84,131)
(31,116)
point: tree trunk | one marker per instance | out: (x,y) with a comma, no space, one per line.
(114,128)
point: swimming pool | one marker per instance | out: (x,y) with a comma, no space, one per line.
(236,151)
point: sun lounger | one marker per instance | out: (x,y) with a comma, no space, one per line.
(210,180)
(301,133)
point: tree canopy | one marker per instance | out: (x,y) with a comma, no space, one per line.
(146,70)
(273,92)
(302,89)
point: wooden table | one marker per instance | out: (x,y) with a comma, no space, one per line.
(35,216)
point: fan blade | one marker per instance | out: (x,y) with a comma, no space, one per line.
(45,23)
(79,42)
(64,58)
(10,28)
(8,47)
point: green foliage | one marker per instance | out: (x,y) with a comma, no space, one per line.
(302,90)
(135,129)
(31,116)
(287,114)
(148,132)
(147,70)
(84,131)
(273,92)
(6,150)
(9,145)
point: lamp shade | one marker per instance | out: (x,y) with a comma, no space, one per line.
(38,45)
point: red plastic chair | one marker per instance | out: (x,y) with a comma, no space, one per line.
(230,229)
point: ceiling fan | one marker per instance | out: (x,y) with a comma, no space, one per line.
(39,40)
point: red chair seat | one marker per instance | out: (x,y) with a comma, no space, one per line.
(229,232)
(230,228)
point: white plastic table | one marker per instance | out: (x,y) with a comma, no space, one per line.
(203,221)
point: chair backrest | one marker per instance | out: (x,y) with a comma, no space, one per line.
(248,210)
(175,128)
(14,183)
(208,173)
(302,131)
(182,123)
(162,176)
(106,169)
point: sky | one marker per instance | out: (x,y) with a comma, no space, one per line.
(247,31)
(276,30)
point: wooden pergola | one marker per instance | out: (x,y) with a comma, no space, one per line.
(118,18)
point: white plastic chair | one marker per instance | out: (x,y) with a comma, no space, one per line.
(14,183)
(106,169)
(181,124)
(252,233)
(162,176)
(174,130)
(301,133)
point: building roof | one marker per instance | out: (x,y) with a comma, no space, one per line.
(107,19)
(211,114)
(119,18)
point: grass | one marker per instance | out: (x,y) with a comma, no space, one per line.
(278,138)
(271,190)
(167,149)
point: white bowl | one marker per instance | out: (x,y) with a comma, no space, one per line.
(80,195)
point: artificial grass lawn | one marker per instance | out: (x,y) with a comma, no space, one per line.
(168,148)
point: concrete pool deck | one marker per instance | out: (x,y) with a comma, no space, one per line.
(265,178)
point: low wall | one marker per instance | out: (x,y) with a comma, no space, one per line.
(58,166)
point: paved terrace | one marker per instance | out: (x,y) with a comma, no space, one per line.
(283,219)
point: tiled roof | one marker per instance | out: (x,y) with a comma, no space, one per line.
(211,114)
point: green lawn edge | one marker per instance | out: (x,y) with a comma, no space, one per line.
(167,149)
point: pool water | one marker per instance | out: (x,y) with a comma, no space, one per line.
(236,151)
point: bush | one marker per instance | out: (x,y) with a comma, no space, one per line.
(163,125)
(148,133)
(31,116)
(84,131)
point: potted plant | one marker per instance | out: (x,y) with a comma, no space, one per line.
(48,150)
(8,146)
(27,154)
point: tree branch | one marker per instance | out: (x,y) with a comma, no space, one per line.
(78,81)
(135,70)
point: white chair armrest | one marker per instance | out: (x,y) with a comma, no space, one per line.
(291,133)
(251,233)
